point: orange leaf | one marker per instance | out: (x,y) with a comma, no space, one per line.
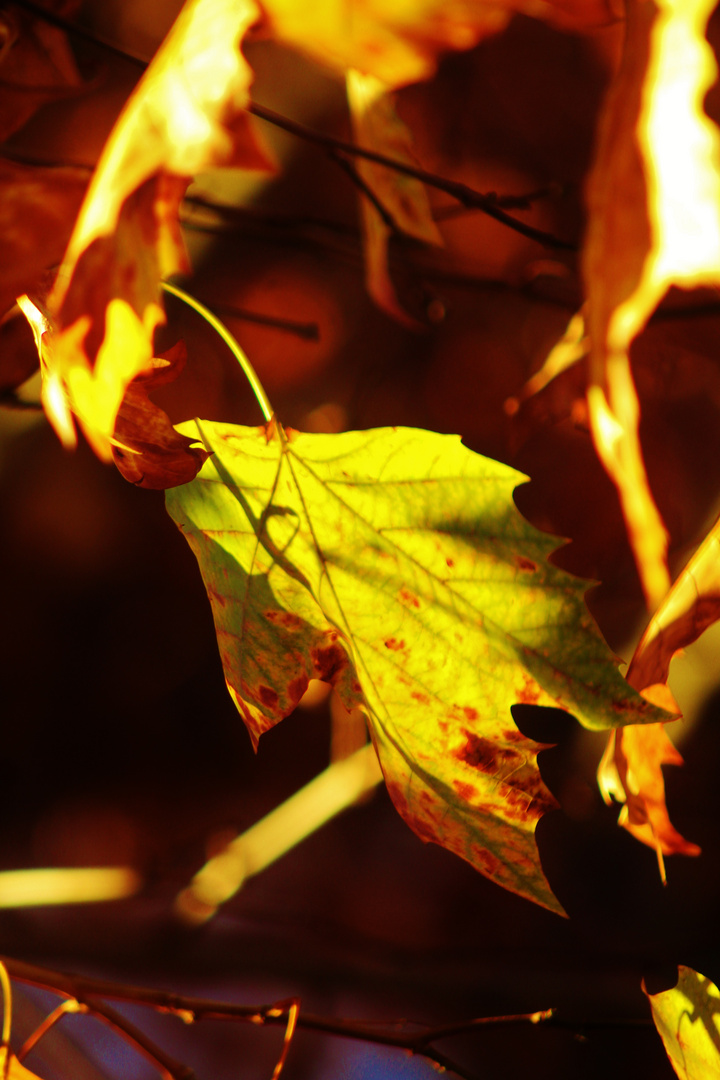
(186,115)
(654,201)
(630,772)
(691,606)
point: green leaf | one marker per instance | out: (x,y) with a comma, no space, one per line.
(688,1020)
(394,564)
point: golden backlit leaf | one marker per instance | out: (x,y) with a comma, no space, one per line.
(399,41)
(688,1021)
(147,450)
(376,126)
(186,115)
(654,201)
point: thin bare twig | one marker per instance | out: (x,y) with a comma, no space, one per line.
(92,994)
(493,205)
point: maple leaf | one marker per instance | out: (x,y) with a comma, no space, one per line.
(186,115)
(688,1021)
(147,449)
(394,564)
(654,221)
(377,127)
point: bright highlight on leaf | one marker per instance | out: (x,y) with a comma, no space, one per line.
(186,115)
(394,564)
(654,198)
(688,1021)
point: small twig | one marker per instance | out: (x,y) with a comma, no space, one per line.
(68,1008)
(350,170)
(488,204)
(166,1065)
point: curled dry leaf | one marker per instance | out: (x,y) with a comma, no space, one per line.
(631,773)
(688,1021)
(147,449)
(654,203)
(631,767)
(376,126)
(185,115)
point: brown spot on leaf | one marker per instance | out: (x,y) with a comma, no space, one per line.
(393,643)
(527,566)
(408,598)
(470,714)
(450,562)
(465,791)
(484,754)
(485,862)
(418,695)
(283,618)
(268,696)
(328,661)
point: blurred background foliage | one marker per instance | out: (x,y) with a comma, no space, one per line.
(119,742)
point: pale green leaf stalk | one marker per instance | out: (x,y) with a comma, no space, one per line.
(688,1021)
(394,564)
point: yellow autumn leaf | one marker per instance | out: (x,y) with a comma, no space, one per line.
(654,201)
(376,126)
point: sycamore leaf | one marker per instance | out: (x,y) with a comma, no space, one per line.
(185,115)
(654,203)
(399,42)
(688,1021)
(36,64)
(376,126)
(147,449)
(394,564)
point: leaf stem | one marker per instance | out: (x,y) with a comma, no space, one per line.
(212,320)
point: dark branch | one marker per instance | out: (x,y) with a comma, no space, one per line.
(493,205)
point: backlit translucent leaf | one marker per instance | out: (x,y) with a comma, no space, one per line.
(186,115)
(654,201)
(688,1020)
(15,1071)
(394,564)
